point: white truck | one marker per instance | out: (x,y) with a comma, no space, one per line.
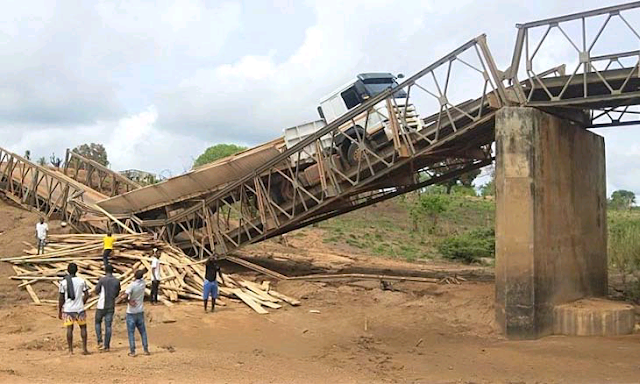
(372,125)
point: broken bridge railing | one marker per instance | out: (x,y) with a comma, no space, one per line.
(96,176)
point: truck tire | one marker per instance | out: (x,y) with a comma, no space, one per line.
(353,152)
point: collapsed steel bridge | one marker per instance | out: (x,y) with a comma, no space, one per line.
(272,189)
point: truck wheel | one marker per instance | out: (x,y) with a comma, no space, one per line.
(354,152)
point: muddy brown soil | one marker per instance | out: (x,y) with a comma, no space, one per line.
(415,333)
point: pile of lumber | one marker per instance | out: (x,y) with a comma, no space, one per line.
(182,277)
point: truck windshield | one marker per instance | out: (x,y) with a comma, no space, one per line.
(376,86)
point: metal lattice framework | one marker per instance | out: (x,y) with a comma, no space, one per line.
(279,197)
(605,83)
(96,175)
(31,185)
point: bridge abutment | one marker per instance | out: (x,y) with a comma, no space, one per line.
(551,244)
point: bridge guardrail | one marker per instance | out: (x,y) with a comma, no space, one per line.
(586,84)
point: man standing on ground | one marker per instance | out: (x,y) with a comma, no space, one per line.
(210,287)
(108,241)
(108,288)
(42,230)
(73,295)
(155,276)
(135,313)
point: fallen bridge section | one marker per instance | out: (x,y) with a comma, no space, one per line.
(193,184)
(48,191)
(96,176)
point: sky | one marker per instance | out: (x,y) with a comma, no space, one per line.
(159,82)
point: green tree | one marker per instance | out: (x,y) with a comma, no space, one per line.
(622,199)
(431,206)
(93,151)
(149,180)
(451,165)
(624,251)
(216,152)
(488,189)
(42,161)
(55,161)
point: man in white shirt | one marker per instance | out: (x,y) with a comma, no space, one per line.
(155,276)
(42,229)
(135,313)
(73,295)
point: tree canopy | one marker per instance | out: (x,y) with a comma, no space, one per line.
(216,152)
(93,151)
(622,199)
(450,165)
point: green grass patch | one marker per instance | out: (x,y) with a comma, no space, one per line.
(470,246)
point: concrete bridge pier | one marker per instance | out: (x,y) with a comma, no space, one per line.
(551,224)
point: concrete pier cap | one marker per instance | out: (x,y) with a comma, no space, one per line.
(551,227)
(594,317)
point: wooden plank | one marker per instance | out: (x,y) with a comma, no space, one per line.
(361,276)
(284,298)
(120,223)
(255,288)
(260,301)
(399,146)
(256,267)
(182,279)
(33,295)
(249,301)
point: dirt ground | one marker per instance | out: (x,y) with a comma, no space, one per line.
(418,333)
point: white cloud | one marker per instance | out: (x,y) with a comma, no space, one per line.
(131,142)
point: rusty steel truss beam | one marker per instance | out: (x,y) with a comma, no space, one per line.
(37,187)
(96,176)
(287,192)
(587,84)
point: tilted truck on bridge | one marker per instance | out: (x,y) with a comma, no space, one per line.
(373,127)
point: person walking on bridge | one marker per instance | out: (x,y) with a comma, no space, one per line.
(42,230)
(108,288)
(108,241)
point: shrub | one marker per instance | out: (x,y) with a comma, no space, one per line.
(624,251)
(462,190)
(431,206)
(469,247)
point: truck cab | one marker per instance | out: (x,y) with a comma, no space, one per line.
(373,125)
(354,93)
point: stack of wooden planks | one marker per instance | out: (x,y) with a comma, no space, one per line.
(181,277)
